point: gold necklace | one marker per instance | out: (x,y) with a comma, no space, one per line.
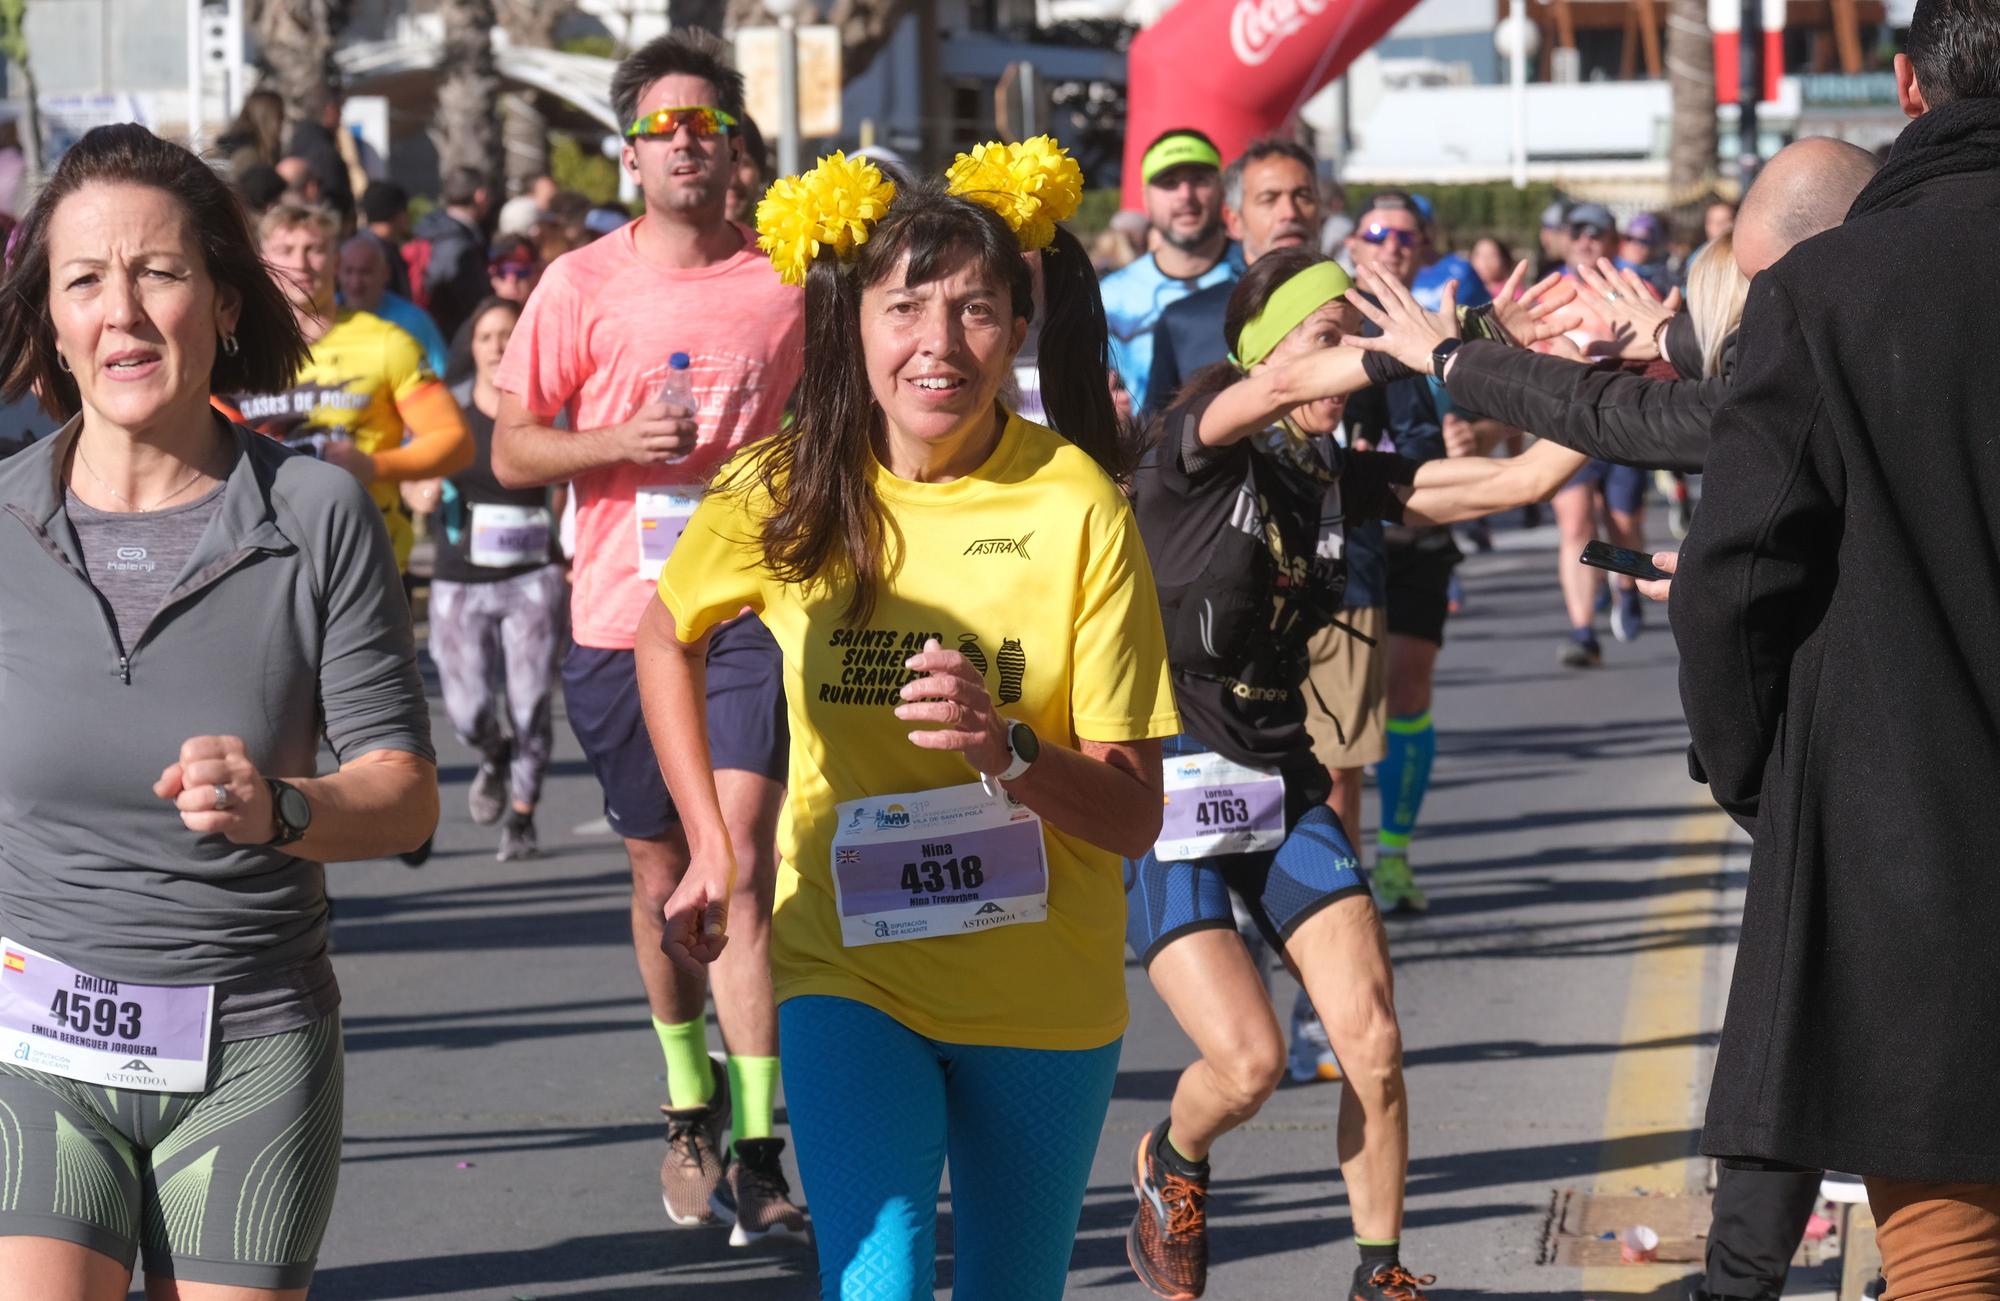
(136,507)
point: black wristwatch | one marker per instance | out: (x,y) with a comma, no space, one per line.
(291,814)
(1441,354)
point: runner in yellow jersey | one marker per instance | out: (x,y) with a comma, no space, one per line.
(364,384)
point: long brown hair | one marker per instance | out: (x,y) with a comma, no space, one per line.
(271,350)
(825,525)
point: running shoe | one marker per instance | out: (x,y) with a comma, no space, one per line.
(1603,601)
(1168,1243)
(1581,651)
(1454,594)
(420,855)
(697,1153)
(1390,1283)
(1628,617)
(517,838)
(754,1195)
(1311,1056)
(486,800)
(1396,890)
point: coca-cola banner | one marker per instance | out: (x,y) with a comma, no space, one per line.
(1237,69)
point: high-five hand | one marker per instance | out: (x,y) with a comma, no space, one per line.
(1409,333)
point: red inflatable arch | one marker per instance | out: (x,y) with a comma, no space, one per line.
(1238,69)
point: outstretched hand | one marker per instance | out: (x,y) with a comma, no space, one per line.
(1632,308)
(1530,316)
(1410,334)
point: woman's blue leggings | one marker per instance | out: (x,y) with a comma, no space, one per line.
(875,1108)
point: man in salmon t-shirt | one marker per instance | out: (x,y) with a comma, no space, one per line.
(681,292)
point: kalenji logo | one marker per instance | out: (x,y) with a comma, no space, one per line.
(1258,26)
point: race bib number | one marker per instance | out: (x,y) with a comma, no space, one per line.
(504,537)
(111,1033)
(662,515)
(942,862)
(1217,807)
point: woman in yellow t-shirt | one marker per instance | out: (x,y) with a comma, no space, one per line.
(976,679)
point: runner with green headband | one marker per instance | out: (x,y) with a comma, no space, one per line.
(1230,506)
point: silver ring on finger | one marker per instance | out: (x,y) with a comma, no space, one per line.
(222,801)
(1611,295)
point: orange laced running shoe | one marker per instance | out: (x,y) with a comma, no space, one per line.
(1168,1242)
(1391,1283)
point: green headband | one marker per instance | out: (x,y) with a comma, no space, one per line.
(1292,302)
(1175,150)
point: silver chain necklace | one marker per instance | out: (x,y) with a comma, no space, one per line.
(136,507)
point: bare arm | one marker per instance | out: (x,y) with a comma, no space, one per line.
(1109,793)
(1448,491)
(1250,404)
(530,454)
(673,691)
(379,803)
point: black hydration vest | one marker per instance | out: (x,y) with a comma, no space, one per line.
(1252,609)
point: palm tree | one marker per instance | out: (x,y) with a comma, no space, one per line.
(466,129)
(295,40)
(1691,80)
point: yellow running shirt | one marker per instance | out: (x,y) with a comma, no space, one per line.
(348,389)
(1033,567)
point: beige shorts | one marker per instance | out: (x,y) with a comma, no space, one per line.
(1349,682)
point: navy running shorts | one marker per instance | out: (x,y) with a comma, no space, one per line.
(1280,888)
(746,721)
(1419,590)
(1623,486)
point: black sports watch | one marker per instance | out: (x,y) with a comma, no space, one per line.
(291,813)
(1442,354)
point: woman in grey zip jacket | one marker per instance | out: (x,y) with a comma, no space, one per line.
(186,611)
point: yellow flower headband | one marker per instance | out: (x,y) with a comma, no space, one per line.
(1032,185)
(834,205)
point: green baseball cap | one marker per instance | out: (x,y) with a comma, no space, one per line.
(1176,148)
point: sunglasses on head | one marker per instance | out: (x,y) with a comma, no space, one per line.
(664,122)
(1377,233)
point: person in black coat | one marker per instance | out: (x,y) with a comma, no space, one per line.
(1837,606)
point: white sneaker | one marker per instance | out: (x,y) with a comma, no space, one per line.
(1311,1056)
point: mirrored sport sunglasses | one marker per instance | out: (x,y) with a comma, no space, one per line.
(1377,233)
(663,122)
(1588,230)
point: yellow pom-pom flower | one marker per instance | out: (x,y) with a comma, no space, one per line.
(833,206)
(1032,185)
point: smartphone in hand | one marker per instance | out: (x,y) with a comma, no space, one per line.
(1622,560)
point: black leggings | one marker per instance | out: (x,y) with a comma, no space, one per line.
(1760,1215)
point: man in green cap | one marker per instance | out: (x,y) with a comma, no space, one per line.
(1191,251)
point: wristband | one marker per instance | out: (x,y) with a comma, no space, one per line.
(1381,368)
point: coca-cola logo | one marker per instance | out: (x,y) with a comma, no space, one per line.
(1257,27)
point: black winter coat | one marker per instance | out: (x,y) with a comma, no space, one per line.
(1608,413)
(1838,614)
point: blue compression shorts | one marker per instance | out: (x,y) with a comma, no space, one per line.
(1280,888)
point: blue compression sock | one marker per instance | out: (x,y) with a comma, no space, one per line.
(1403,776)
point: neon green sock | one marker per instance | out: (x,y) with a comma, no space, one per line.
(753,1089)
(690,1076)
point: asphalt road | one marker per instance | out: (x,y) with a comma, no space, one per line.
(1558,1006)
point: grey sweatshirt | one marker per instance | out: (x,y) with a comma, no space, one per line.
(287,623)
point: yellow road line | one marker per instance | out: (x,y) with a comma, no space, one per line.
(1653,1096)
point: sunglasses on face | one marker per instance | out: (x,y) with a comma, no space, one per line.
(1380,234)
(664,122)
(1589,232)
(514,270)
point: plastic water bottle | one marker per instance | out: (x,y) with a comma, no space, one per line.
(677,391)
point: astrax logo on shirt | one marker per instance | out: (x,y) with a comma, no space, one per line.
(1002,546)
